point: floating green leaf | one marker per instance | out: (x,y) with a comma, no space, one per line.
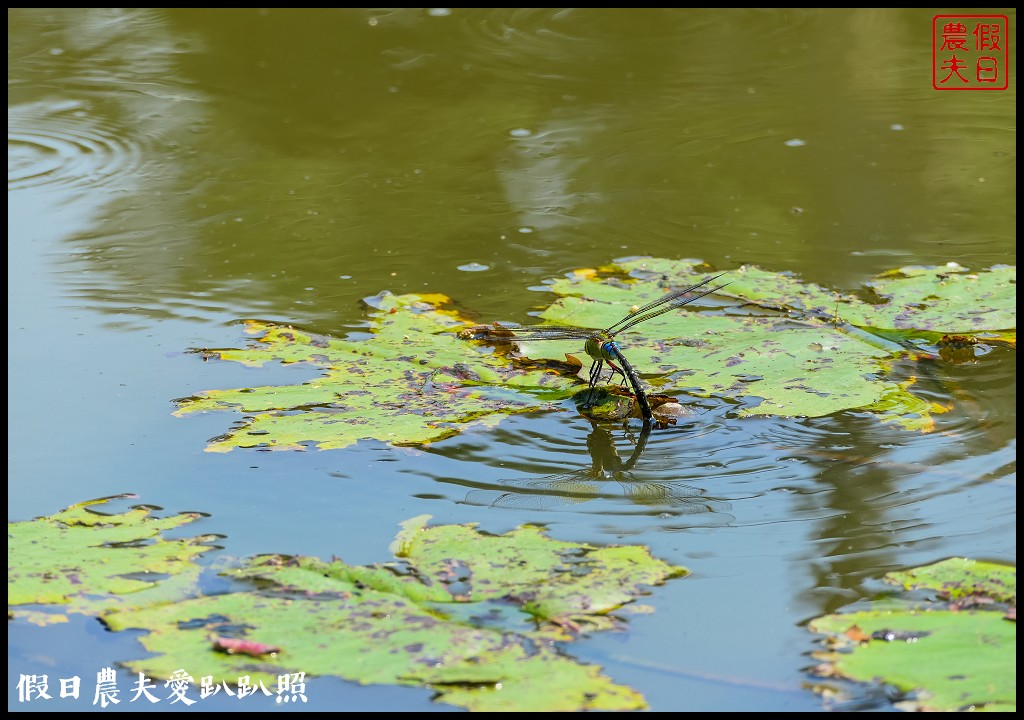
(956,578)
(469,614)
(798,364)
(567,584)
(947,299)
(411,382)
(947,657)
(93,562)
(785,348)
(944,299)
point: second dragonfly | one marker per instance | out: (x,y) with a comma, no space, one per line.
(601,345)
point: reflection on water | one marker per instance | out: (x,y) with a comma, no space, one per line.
(538,177)
(98,115)
(293,162)
(609,477)
(106,116)
(61,144)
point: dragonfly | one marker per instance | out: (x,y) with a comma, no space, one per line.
(601,345)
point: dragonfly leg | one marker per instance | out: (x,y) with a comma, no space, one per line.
(595,375)
(616,370)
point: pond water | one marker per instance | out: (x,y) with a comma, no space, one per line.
(173,172)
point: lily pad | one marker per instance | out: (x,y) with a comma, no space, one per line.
(92,562)
(773,344)
(943,299)
(410,382)
(471,615)
(814,353)
(943,656)
(947,299)
(958,578)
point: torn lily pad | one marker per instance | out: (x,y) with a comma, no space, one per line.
(956,652)
(469,614)
(411,381)
(91,562)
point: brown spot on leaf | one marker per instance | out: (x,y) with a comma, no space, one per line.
(237,646)
(856,634)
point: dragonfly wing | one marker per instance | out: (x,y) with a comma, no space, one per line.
(544,332)
(665,303)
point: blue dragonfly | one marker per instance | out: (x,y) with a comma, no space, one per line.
(601,345)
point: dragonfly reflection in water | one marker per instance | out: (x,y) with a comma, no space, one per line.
(595,483)
(601,345)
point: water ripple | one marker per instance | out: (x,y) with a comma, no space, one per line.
(59,143)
